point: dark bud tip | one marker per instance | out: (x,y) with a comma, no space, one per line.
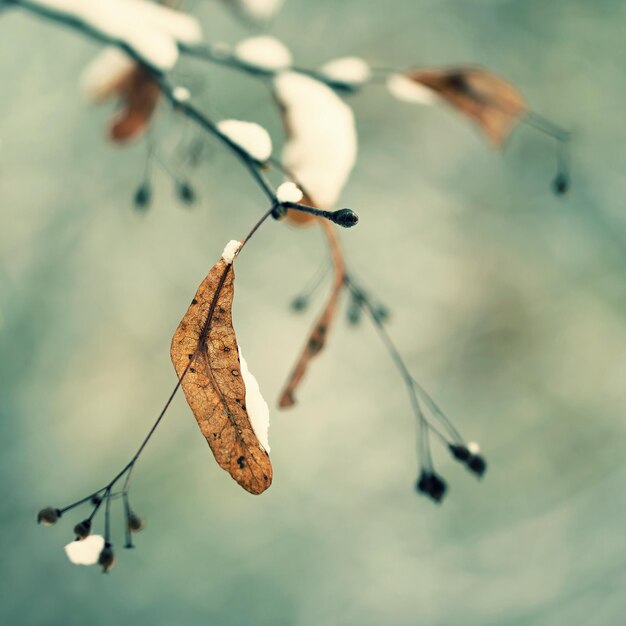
(460,453)
(186,193)
(431,485)
(299,304)
(96,500)
(344,217)
(143,195)
(83,529)
(48,516)
(560,185)
(477,464)
(106,560)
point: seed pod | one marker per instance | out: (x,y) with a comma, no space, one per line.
(48,516)
(106,560)
(83,529)
(142,198)
(477,464)
(135,523)
(186,193)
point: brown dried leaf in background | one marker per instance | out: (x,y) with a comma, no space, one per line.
(140,95)
(319,333)
(205,355)
(490,101)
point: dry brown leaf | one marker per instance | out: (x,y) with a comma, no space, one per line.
(140,95)
(206,358)
(319,333)
(490,101)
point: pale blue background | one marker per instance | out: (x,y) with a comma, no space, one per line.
(509,305)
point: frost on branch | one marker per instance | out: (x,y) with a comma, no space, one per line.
(251,137)
(205,355)
(258,411)
(264,52)
(151,31)
(85,551)
(289,192)
(321,145)
(256,10)
(351,70)
(492,103)
(404,88)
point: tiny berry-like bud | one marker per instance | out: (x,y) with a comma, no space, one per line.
(83,529)
(135,523)
(143,195)
(186,193)
(106,560)
(438,488)
(477,464)
(48,516)
(344,217)
(96,500)
(300,303)
(560,185)
(431,485)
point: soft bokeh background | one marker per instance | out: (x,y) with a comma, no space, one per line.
(509,305)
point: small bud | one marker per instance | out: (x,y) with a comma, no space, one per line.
(344,217)
(83,529)
(431,485)
(106,560)
(143,195)
(96,500)
(477,464)
(560,184)
(460,453)
(186,193)
(48,516)
(300,303)
(135,523)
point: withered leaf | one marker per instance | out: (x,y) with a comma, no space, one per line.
(140,95)
(491,102)
(205,355)
(319,333)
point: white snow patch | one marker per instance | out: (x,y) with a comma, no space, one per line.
(265,52)
(252,137)
(181,94)
(260,10)
(85,551)
(473,447)
(231,249)
(104,74)
(352,70)
(407,90)
(258,411)
(322,145)
(289,192)
(150,30)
